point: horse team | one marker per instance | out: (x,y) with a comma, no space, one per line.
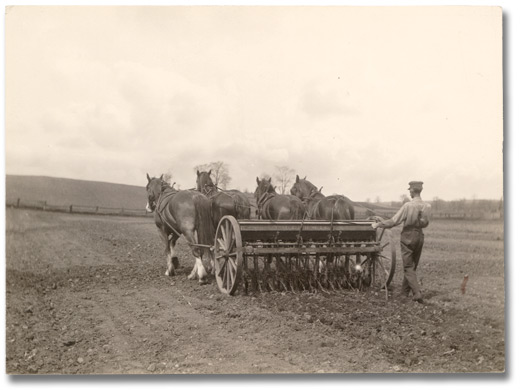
(195,214)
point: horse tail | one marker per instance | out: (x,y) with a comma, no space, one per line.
(239,205)
(245,207)
(204,225)
(351,210)
(350,207)
(297,207)
(341,208)
(346,205)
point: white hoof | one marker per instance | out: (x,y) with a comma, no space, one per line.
(191,276)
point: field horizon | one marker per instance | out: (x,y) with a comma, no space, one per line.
(58,191)
(61,193)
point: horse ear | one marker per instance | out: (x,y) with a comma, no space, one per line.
(320,189)
(305,178)
(297,178)
(148,177)
(161,177)
(209,173)
(198,173)
(257,181)
(269,180)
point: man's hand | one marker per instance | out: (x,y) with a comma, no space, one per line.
(375,225)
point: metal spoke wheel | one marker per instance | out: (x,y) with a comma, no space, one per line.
(228,255)
(383,263)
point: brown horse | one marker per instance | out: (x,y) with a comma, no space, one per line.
(319,206)
(231,202)
(186,213)
(274,206)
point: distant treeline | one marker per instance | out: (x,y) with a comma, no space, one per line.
(69,195)
(464,208)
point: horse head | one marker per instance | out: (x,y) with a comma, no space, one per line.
(264,186)
(303,188)
(154,188)
(204,182)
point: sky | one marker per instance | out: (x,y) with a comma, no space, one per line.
(360,100)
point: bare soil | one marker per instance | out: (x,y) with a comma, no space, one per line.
(88,295)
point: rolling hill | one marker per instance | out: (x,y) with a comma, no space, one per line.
(62,192)
(35,190)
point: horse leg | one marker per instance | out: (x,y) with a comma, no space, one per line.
(169,244)
(175,259)
(198,268)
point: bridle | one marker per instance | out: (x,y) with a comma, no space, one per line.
(155,202)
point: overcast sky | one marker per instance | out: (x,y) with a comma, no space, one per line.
(359,100)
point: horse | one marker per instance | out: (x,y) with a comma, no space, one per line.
(231,202)
(274,206)
(186,213)
(319,206)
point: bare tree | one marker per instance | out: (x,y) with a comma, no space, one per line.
(284,176)
(168,178)
(219,173)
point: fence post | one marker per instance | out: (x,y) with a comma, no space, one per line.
(44,207)
(97,209)
(70,209)
(18,203)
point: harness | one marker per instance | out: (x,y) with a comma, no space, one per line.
(212,191)
(208,189)
(162,202)
(263,203)
(160,208)
(311,208)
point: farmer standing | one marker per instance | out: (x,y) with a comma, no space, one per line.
(415,216)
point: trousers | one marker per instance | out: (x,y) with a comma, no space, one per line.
(412,240)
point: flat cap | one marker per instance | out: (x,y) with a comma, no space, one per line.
(415,185)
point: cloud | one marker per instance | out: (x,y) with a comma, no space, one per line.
(327,98)
(113,93)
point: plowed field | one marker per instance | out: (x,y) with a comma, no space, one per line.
(88,295)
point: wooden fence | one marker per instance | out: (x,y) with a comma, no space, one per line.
(74,208)
(101,210)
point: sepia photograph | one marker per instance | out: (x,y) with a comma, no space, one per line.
(196,190)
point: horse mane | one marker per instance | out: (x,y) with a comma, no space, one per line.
(166,187)
(309,185)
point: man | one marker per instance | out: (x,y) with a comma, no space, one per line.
(415,216)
